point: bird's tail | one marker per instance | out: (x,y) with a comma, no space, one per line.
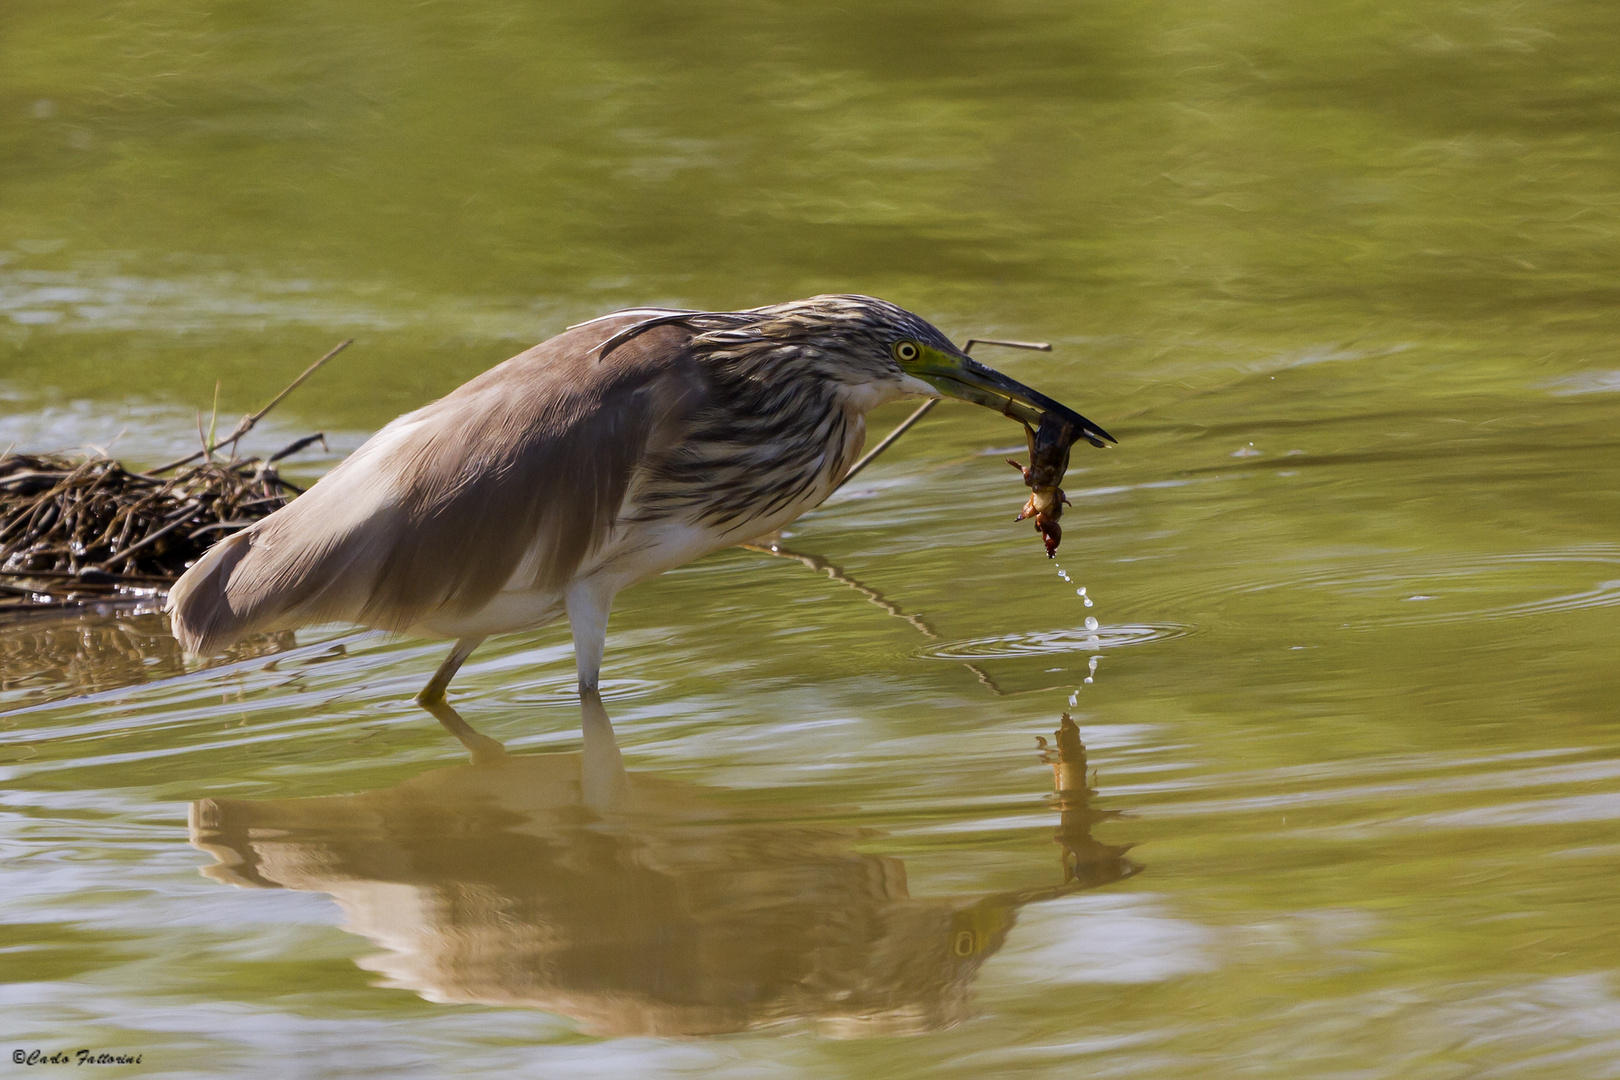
(287,570)
(204,619)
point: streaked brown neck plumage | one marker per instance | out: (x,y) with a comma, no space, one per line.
(783,425)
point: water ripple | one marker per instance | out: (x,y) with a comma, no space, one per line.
(1390,589)
(1046,642)
(564,690)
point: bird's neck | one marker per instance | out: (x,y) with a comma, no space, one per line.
(861,398)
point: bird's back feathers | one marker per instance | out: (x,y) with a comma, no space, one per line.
(520,471)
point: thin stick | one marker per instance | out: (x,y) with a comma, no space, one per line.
(888,441)
(128,552)
(918,623)
(922,410)
(248,421)
(1038,346)
(67,574)
(297,445)
(816,562)
(213,425)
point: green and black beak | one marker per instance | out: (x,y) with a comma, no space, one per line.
(958,375)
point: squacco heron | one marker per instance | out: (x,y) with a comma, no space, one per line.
(619,449)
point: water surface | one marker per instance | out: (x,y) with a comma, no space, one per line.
(1343,788)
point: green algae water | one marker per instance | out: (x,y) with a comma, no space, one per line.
(1334,624)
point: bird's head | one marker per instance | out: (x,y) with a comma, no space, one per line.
(872,350)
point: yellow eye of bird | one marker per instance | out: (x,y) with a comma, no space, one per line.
(906,350)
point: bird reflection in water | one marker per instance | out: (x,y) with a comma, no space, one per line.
(633,903)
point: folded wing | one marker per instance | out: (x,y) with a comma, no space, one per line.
(522,472)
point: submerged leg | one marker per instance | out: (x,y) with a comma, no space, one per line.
(433,692)
(588,605)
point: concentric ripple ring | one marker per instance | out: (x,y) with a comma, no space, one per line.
(1047,642)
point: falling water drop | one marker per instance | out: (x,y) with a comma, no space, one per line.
(1091,622)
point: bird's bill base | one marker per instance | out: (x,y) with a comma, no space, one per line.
(964,378)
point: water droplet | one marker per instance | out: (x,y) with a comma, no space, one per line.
(1088,680)
(1091,622)
(1088,602)
(1074,698)
(1082,590)
(1091,666)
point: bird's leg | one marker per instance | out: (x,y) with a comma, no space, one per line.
(433,693)
(603,783)
(588,602)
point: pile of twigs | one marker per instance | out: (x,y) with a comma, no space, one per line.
(90,526)
(77,532)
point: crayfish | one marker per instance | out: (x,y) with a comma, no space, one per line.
(1048,461)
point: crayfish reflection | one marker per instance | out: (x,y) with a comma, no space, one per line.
(632,903)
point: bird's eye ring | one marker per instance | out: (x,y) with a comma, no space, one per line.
(906,351)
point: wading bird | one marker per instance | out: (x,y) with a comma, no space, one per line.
(621,448)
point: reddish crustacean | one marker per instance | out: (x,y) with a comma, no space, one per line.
(1048,461)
